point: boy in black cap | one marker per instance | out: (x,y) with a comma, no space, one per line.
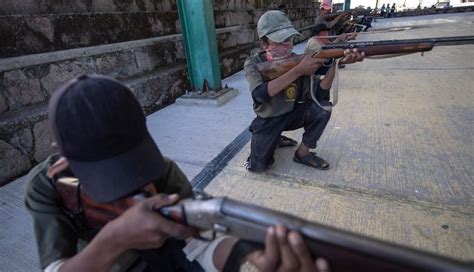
(285,103)
(100,130)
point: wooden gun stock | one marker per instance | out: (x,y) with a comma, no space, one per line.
(274,69)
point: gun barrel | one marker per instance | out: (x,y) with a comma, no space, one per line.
(453,40)
(441,41)
(375,49)
(331,16)
(345,251)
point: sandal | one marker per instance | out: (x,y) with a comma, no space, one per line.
(312,160)
(285,141)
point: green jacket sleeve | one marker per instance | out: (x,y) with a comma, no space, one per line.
(252,74)
(56,236)
(174,181)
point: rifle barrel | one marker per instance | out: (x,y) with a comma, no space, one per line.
(377,49)
(331,16)
(345,251)
(441,41)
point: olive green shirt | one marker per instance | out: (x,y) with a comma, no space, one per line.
(281,103)
(57,234)
(284,101)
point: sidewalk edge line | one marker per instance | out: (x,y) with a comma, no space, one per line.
(214,167)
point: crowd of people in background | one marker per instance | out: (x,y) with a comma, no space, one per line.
(387,12)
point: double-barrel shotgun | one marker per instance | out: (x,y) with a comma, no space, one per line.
(345,251)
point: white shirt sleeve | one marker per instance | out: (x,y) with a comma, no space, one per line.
(203,252)
(54,266)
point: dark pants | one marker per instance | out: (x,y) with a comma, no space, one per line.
(169,258)
(266,132)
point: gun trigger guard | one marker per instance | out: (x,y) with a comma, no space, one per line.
(205,239)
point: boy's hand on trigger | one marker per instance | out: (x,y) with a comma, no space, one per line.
(309,65)
(141,227)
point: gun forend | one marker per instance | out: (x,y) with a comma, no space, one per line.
(344,250)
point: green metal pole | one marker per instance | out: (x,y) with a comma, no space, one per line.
(200,43)
(347,5)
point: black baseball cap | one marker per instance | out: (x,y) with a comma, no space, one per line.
(100,128)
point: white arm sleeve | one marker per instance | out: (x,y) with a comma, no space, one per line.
(54,266)
(203,252)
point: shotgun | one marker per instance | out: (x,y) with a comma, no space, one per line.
(276,68)
(345,251)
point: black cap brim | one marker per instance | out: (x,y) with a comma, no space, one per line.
(127,172)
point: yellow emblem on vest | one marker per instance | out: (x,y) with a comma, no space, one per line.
(290,92)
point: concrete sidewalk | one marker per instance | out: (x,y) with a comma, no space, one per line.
(194,136)
(400,147)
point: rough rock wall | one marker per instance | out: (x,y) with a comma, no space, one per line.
(43,43)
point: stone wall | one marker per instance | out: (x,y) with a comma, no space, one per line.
(46,42)
(39,33)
